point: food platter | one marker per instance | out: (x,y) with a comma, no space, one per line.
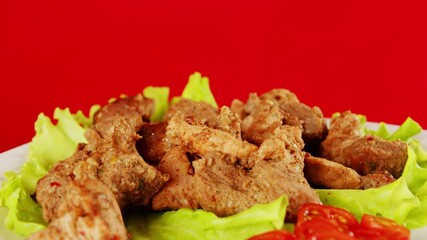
(14,158)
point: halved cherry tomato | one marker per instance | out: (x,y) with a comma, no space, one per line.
(321,229)
(340,218)
(322,222)
(274,235)
(375,227)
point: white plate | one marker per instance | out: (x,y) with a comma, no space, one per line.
(14,158)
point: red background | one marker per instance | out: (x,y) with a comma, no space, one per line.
(367,56)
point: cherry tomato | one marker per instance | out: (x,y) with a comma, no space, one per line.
(343,220)
(321,229)
(274,235)
(374,227)
(319,222)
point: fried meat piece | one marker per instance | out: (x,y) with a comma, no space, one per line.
(132,109)
(201,110)
(329,174)
(109,156)
(322,172)
(313,123)
(202,140)
(211,175)
(367,154)
(262,118)
(178,191)
(151,145)
(229,122)
(132,180)
(88,210)
(378,179)
(292,112)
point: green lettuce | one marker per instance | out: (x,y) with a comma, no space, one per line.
(197,89)
(199,224)
(405,200)
(51,144)
(161,101)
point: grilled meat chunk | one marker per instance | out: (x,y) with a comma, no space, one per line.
(132,109)
(201,110)
(378,179)
(200,140)
(218,172)
(178,192)
(151,145)
(329,174)
(325,173)
(88,210)
(367,154)
(256,118)
(229,122)
(109,156)
(313,123)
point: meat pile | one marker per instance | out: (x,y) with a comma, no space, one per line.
(223,161)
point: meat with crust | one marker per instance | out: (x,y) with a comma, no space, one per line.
(225,175)
(329,174)
(229,122)
(151,145)
(88,210)
(132,109)
(292,112)
(313,123)
(261,119)
(378,179)
(322,172)
(366,154)
(201,110)
(201,140)
(109,156)
(178,192)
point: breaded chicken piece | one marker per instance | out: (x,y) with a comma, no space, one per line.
(210,175)
(322,172)
(133,109)
(188,133)
(229,122)
(178,191)
(313,123)
(262,118)
(88,210)
(366,154)
(187,107)
(329,174)
(378,179)
(151,145)
(111,157)
(279,107)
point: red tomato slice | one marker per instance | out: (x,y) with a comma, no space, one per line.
(274,235)
(341,218)
(321,229)
(374,227)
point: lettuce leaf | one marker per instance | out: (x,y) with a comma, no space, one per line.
(161,101)
(198,224)
(197,89)
(405,200)
(51,144)
(393,201)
